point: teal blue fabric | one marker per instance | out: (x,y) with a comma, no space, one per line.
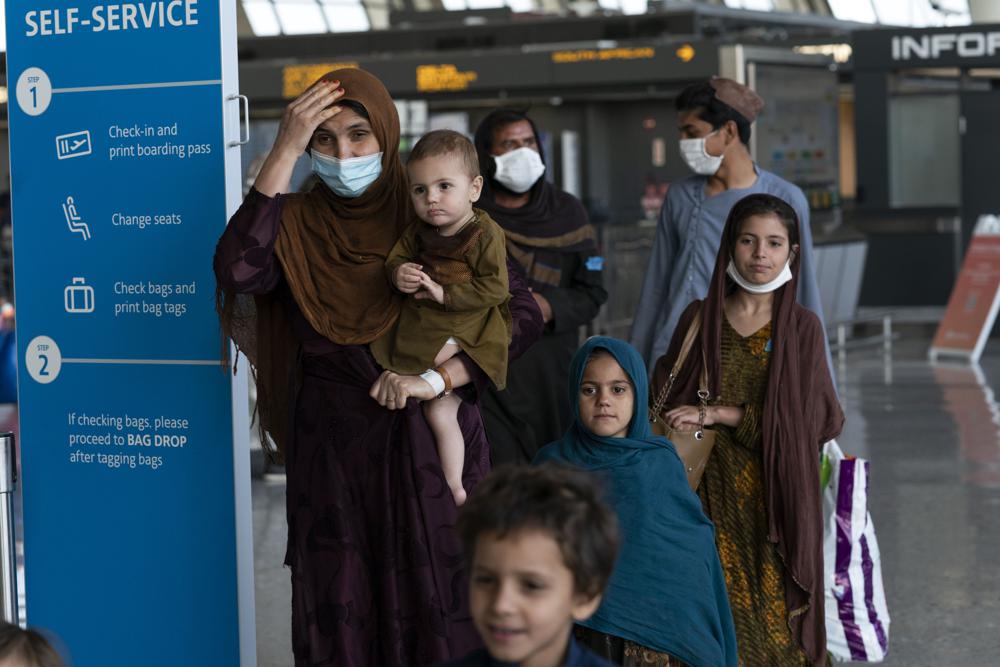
(668,592)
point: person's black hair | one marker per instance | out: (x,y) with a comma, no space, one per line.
(355,106)
(762,204)
(26,648)
(701,97)
(495,120)
(558,501)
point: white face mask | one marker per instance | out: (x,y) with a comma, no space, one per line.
(766,288)
(519,169)
(697,158)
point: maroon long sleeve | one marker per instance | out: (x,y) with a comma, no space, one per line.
(244,257)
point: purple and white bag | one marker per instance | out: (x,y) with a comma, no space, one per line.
(857,618)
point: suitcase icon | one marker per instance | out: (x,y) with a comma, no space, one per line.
(79,297)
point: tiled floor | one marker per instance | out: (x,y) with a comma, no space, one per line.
(933,436)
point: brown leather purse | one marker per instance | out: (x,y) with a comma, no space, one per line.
(694,446)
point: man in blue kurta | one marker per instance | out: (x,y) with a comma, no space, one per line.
(714,119)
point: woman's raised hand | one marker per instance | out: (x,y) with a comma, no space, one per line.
(391,390)
(306,112)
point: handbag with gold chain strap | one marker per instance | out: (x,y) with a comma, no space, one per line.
(694,445)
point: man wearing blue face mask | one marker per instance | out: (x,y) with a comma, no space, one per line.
(552,242)
(714,119)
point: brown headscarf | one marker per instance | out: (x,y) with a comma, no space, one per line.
(332,251)
(801,412)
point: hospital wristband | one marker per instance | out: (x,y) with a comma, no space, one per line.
(434,379)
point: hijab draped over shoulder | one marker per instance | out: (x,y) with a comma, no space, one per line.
(551,224)
(668,591)
(332,252)
(800,413)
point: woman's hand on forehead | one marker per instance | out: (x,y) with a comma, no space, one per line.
(306,113)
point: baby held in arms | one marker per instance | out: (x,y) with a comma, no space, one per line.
(452,264)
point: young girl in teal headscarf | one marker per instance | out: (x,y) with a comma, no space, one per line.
(666,603)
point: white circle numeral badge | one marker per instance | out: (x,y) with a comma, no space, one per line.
(43,359)
(34,91)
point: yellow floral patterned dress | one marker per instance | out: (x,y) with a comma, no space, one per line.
(732,495)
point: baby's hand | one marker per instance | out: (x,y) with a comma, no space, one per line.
(430,290)
(407,277)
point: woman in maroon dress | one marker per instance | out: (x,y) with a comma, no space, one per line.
(377,574)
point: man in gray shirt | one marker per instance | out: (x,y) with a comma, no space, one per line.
(714,119)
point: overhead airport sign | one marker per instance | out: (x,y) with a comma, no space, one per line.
(490,72)
(976,46)
(946,44)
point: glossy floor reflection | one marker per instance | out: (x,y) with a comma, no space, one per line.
(932,434)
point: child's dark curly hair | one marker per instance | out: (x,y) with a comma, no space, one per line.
(561,502)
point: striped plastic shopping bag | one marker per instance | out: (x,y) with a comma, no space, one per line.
(857,618)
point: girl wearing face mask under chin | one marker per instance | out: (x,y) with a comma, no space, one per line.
(302,291)
(552,243)
(760,357)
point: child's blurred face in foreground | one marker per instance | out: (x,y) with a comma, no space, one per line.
(523,598)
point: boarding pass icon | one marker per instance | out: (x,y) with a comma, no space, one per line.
(75,144)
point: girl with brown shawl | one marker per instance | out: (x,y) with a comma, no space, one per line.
(773,406)
(377,574)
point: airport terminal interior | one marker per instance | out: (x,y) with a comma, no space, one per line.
(883,112)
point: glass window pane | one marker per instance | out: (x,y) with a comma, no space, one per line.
(485,4)
(960,13)
(609,4)
(633,6)
(521,5)
(853,10)
(261,17)
(902,13)
(299,17)
(3,27)
(921,13)
(346,18)
(454,5)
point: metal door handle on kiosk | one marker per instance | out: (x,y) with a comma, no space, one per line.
(8,556)
(246,117)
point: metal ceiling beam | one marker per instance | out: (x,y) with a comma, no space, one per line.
(694,22)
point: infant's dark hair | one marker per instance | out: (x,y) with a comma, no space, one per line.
(26,648)
(447,142)
(559,501)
